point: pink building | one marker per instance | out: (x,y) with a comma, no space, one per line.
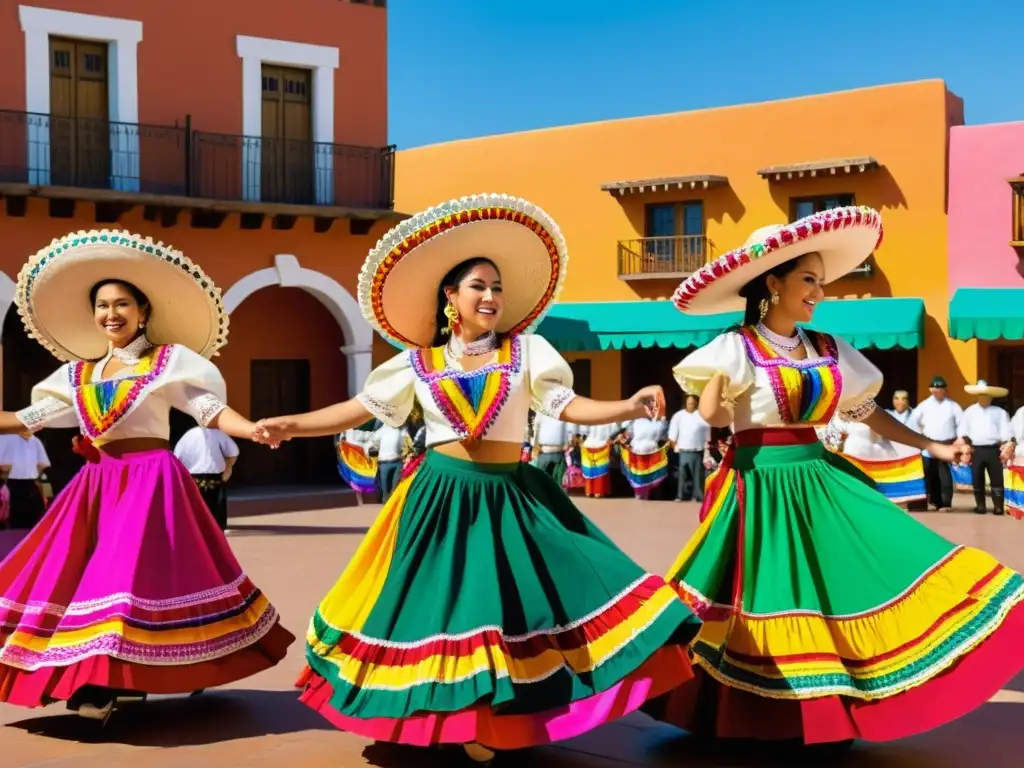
(985,249)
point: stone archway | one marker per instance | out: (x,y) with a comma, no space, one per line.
(7,289)
(287,272)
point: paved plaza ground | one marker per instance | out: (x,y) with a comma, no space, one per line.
(296,557)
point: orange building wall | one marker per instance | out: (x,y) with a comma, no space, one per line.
(904,126)
(188,62)
(605,380)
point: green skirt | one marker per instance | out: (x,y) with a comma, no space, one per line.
(814,587)
(483,606)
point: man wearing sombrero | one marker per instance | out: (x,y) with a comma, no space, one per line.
(830,614)
(482,608)
(985,428)
(127,586)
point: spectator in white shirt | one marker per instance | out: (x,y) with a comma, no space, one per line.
(901,410)
(938,418)
(391,444)
(550,441)
(24,458)
(688,434)
(986,430)
(209,455)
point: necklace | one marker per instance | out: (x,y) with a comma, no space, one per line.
(485,345)
(782,343)
(132,353)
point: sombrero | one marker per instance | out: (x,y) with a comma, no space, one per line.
(52,294)
(844,237)
(399,280)
(984,388)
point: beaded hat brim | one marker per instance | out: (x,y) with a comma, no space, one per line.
(844,237)
(400,278)
(53,288)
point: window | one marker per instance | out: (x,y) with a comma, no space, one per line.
(1017,238)
(799,207)
(581,377)
(675,235)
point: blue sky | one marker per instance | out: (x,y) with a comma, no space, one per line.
(465,68)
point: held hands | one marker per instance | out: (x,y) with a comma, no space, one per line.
(951,454)
(272,432)
(649,402)
(1007,451)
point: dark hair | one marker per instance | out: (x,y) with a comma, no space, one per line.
(757,290)
(451,280)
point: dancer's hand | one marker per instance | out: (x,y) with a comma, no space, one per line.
(950,454)
(649,402)
(1007,451)
(273,431)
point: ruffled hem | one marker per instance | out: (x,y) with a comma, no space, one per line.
(666,669)
(708,707)
(44,686)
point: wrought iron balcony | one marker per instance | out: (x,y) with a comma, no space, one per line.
(227,167)
(673,256)
(46,151)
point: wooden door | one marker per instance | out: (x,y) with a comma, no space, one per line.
(286,146)
(1009,373)
(277,387)
(79,114)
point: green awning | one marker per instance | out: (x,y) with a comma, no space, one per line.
(987,313)
(882,323)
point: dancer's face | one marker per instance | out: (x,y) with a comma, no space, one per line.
(118,314)
(479,299)
(801,290)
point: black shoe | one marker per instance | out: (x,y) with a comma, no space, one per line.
(980,511)
(998,512)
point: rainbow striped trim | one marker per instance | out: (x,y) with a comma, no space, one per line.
(103,404)
(1013,493)
(806,391)
(596,462)
(470,401)
(899,480)
(356,468)
(645,470)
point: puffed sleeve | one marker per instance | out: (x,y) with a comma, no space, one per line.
(549,375)
(52,403)
(389,392)
(861,383)
(727,355)
(196,386)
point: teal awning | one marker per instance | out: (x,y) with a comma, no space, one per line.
(987,313)
(882,323)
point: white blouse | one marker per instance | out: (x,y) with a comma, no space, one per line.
(490,403)
(768,390)
(600,435)
(135,402)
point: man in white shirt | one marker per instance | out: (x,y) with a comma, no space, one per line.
(938,418)
(901,410)
(209,456)
(391,445)
(550,440)
(688,434)
(24,458)
(985,428)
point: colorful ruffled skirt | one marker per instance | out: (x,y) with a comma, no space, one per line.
(645,471)
(128,583)
(596,465)
(830,613)
(356,468)
(1013,490)
(482,606)
(900,480)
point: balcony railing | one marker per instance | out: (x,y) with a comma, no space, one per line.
(43,150)
(672,256)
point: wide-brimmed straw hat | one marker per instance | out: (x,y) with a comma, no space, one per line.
(984,388)
(53,288)
(844,237)
(399,281)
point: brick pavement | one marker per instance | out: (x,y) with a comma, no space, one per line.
(296,557)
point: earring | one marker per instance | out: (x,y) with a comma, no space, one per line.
(775,298)
(142,326)
(763,308)
(453,319)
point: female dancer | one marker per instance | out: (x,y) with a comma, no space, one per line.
(482,608)
(127,586)
(830,614)
(596,458)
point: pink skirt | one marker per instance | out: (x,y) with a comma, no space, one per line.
(127,582)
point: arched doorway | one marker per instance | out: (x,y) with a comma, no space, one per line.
(26,363)
(284,355)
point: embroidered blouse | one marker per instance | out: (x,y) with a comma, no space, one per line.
(490,403)
(135,402)
(769,390)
